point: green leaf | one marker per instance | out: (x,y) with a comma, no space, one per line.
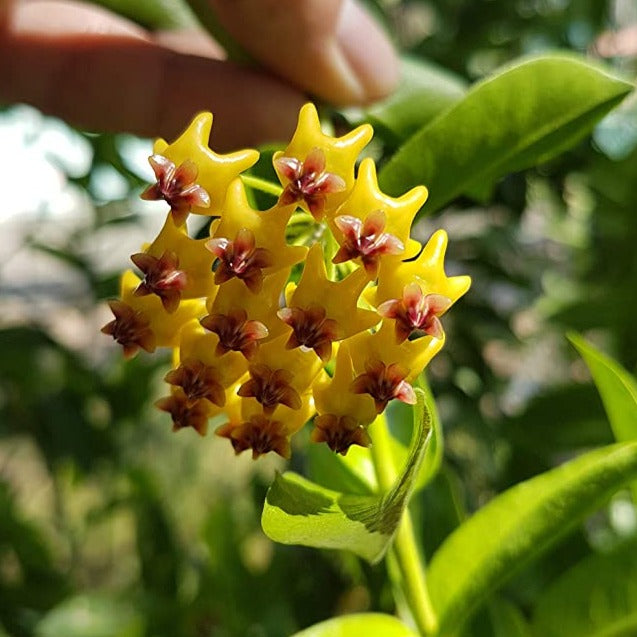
(368,624)
(518,525)
(616,386)
(521,116)
(595,598)
(153,14)
(425,91)
(353,473)
(507,619)
(298,511)
(434,452)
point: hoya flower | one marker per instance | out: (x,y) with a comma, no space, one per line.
(253,349)
(308,181)
(242,319)
(321,311)
(177,187)
(175,266)
(366,240)
(201,373)
(139,317)
(279,375)
(130,328)
(427,271)
(214,172)
(316,170)
(377,235)
(416,312)
(250,244)
(343,415)
(185,413)
(385,368)
(262,433)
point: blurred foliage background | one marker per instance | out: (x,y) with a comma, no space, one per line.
(112,526)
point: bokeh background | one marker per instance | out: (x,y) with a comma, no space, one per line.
(113,526)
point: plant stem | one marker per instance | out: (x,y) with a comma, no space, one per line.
(262,184)
(404,548)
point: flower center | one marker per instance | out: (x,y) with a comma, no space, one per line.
(161,277)
(184,414)
(339,432)
(311,329)
(241,259)
(197,381)
(366,240)
(416,312)
(176,186)
(235,332)
(384,383)
(131,329)
(270,388)
(262,435)
(308,181)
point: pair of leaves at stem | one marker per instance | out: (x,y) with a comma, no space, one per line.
(514,528)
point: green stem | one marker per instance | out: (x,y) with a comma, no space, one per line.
(404,548)
(262,184)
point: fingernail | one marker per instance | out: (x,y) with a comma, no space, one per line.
(369,54)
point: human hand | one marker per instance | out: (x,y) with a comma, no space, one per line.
(100,71)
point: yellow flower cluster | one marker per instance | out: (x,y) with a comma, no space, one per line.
(267,353)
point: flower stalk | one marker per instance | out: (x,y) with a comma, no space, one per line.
(404,550)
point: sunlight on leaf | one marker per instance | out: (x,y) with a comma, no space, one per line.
(368,624)
(523,115)
(616,386)
(298,511)
(519,525)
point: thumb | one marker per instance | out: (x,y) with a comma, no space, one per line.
(330,48)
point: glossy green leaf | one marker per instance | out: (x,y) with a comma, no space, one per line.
(616,386)
(518,525)
(596,598)
(525,114)
(425,91)
(368,624)
(298,511)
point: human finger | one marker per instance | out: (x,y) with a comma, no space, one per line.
(101,72)
(330,48)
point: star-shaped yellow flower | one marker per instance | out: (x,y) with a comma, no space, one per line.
(262,432)
(428,271)
(164,325)
(366,199)
(249,243)
(194,259)
(339,158)
(321,311)
(215,172)
(196,343)
(234,295)
(381,346)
